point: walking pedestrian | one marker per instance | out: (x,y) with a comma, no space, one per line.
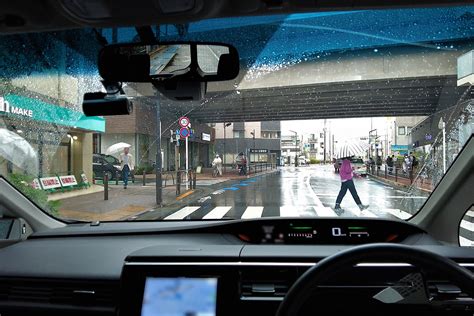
(346,173)
(217,164)
(127,165)
(336,165)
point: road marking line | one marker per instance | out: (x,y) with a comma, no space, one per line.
(366,213)
(185,194)
(182,213)
(465,242)
(398,213)
(324,211)
(467,225)
(230,189)
(253,212)
(289,211)
(218,212)
(470,213)
(313,195)
(218,192)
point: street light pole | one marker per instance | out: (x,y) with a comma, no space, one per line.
(442,125)
(296,148)
(223,154)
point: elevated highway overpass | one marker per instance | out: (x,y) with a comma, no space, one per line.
(335,65)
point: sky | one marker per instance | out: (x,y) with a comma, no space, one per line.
(342,129)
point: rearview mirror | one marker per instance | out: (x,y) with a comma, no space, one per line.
(168,61)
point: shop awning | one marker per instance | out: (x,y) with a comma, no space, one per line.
(26,108)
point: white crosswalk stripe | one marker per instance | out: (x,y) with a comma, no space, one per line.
(253,212)
(470,213)
(398,213)
(218,212)
(467,225)
(182,213)
(289,211)
(466,242)
(324,211)
(366,213)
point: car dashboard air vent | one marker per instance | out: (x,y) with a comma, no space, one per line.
(266,284)
(58,293)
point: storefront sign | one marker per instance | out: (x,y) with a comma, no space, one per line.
(67,181)
(84,178)
(35,184)
(206,137)
(7,108)
(259,151)
(38,110)
(50,183)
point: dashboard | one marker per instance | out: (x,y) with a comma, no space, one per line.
(218,267)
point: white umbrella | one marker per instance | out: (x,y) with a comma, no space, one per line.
(350,149)
(116,148)
(18,151)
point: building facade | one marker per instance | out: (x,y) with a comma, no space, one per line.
(397,141)
(260,141)
(139,130)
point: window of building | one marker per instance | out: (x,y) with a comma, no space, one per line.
(409,128)
(239,134)
(401,130)
(321,135)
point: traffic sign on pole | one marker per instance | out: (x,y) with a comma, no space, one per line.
(184,132)
(183,121)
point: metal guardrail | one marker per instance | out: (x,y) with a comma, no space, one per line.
(392,173)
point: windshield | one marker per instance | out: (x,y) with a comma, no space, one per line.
(349,114)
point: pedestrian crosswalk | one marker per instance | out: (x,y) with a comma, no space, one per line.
(247,212)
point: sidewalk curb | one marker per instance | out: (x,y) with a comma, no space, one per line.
(386,181)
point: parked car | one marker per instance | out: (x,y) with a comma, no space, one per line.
(358,164)
(106,164)
(303,161)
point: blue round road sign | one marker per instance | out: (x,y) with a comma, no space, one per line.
(184,132)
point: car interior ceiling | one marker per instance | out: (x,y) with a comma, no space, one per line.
(52,267)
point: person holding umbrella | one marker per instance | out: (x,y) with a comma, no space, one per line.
(346,173)
(127,165)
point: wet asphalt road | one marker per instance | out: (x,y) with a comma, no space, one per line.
(296,192)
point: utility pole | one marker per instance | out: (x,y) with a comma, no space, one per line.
(296,148)
(159,162)
(253,135)
(324,152)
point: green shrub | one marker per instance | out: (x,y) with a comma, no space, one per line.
(313,161)
(22,182)
(147,167)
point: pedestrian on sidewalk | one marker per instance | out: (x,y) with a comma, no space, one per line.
(335,162)
(127,165)
(389,164)
(346,173)
(406,164)
(217,164)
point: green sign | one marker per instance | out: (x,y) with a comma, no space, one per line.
(23,107)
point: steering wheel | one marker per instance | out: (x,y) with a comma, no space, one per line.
(304,287)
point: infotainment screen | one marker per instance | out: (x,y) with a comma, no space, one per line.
(180,297)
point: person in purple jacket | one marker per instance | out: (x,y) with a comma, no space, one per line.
(346,174)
